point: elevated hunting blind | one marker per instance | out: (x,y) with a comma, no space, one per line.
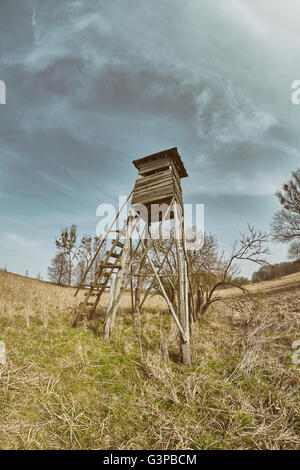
(158,184)
(159,179)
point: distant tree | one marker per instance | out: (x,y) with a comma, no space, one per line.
(241,280)
(84,254)
(58,269)
(96,265)
(263,274)
(294,250)
(286,222)
(269,272)
(66,244)
(86,251)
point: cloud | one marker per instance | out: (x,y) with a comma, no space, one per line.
(229,117)
(21,242)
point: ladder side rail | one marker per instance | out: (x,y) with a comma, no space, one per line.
(103,240)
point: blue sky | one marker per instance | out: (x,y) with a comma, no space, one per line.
(93,85)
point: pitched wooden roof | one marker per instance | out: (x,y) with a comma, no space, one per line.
(170,153)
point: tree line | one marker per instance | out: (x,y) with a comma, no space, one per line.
(269,272)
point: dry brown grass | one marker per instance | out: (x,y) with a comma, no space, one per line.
(66,388)
(283,284)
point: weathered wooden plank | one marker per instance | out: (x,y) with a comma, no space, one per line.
(177,188)
(175,172)
(154,165)
(154,185)
(143,182)
(155,198)
(154,177)
(115,255)
(149,190)
(110,265)
(163,187)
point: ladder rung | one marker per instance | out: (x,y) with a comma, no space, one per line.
(114,255)
(120,245)
(111,265)
(99,287)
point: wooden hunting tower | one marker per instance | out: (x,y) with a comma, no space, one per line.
(159,179)
(158,184)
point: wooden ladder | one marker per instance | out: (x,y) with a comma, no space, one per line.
(94,290)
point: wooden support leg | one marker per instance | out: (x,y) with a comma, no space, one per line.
(183,304)
(136,311)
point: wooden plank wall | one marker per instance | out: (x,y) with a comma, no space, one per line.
(157,187)
(154,166)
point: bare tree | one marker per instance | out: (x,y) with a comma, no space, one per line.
(66,244)
(100,256)
(84,254)
(209,271)
(86,250)
(58,270)
(286,222)
(251,247)
(203,265)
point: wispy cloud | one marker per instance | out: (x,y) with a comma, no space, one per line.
(19,241)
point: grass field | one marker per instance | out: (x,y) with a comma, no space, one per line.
(65,388)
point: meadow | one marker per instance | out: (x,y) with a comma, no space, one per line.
(68,388)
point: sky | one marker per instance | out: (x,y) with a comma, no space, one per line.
(91,86)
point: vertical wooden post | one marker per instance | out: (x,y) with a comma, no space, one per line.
(111,292)
(185,351)
(141,272)
(131,282)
